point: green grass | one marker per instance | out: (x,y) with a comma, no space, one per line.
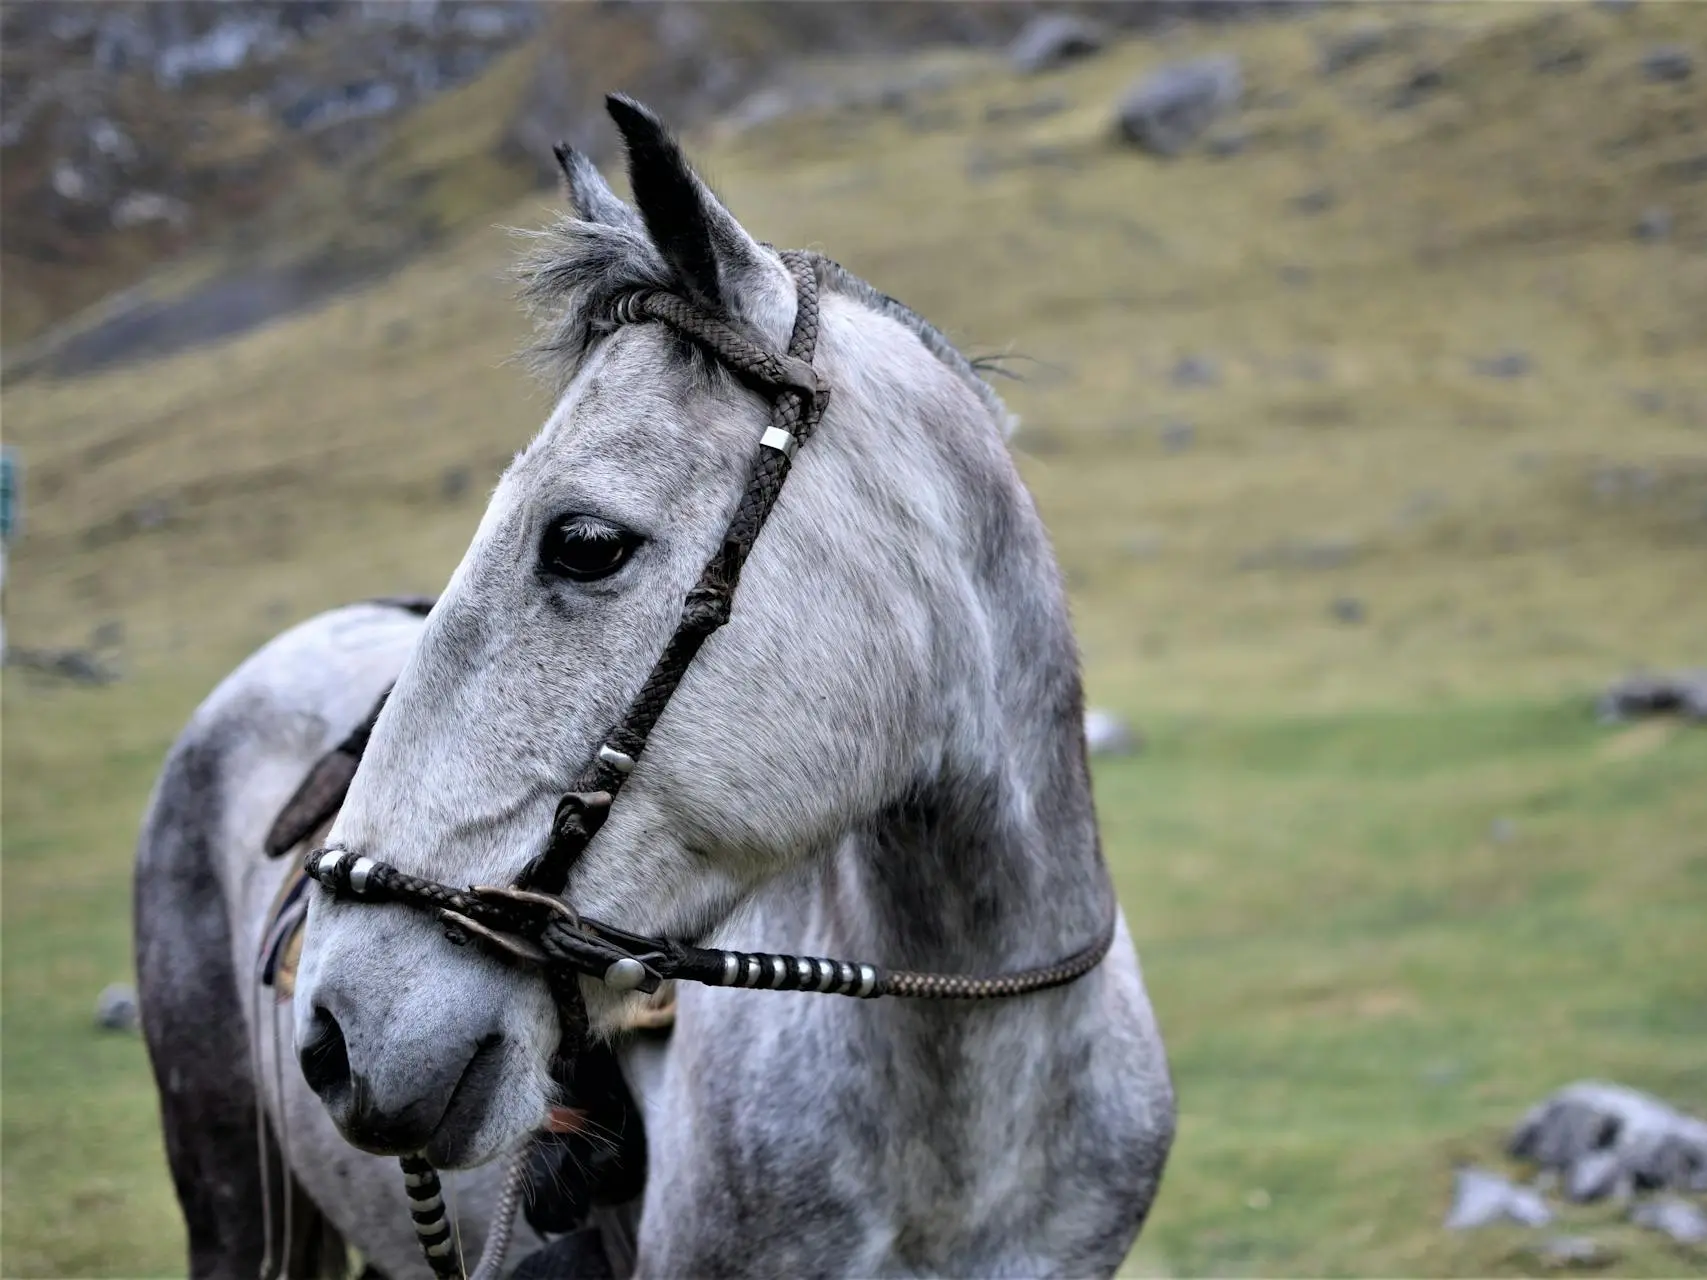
(1359,984)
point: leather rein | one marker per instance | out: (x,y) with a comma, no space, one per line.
(529,923)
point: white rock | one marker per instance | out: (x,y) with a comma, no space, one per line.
(1106,734)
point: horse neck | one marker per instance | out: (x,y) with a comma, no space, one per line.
(985,874)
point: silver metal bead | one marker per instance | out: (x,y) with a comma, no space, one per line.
(826,975)
(731,969)
(625,974)
(752,978)
(328,864)
(847,977)
(360,870)
(442,1248)
(867,979)
(780,440)
(617,760)
(779,970)
(804,970)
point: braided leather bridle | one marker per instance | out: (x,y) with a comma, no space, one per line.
(529,922)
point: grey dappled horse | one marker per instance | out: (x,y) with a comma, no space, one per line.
(203,895)
(880,755)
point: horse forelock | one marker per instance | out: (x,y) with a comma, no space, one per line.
(574,271)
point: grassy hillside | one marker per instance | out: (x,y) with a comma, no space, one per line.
(1390,880)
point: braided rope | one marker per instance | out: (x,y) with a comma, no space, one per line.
(427,1210)
(519,927)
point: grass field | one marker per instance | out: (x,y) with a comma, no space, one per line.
(1390,879)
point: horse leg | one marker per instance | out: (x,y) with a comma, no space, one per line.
(192,1022)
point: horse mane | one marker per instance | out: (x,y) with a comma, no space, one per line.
(575,271)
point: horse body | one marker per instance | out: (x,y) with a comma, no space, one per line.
(204,894)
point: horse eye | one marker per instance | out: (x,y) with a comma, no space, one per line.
(584,549)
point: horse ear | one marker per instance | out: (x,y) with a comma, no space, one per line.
(718,264)
(588,194)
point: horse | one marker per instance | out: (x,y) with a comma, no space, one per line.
(266,1184)
(880,750)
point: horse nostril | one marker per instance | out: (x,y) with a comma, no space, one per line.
(324,1056)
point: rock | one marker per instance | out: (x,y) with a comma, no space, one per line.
(1352,47)
(1508,364)
(140,208)
(1481,1198)
(1194,371)
(1654,1145)
(1668,64)
(1052,39)
(1682,1221)
(76,665)
(1167,110)
(1224,146)
(1423,82)
(1106,734)
(1347,609)
(1561,1252)
(116,1009)
(1177,437)
(1682,693)
(1594,1177)
(1654,224)
(1315,200)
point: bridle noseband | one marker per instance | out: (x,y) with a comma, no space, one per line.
(529,923)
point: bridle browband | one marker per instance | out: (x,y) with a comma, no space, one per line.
(529,922)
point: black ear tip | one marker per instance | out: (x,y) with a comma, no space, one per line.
(635,121)
(564,153)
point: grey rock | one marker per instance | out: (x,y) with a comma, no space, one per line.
(1352,47)
(1508,364)
(76,665)
(1051,39)
(1315,200)
(1668,64)
(1654,224)
(116,1009)
(1655,1145)
(1224,146)
(1561,1252)
(1348,609)
(1481,1198)
(1194,371)
(1683,1221)
(1106,734)
(1682,693)
(1422,83)
(1177,437)
(1593,1176)
(1169,109)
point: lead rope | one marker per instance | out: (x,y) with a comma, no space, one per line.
(440,1241)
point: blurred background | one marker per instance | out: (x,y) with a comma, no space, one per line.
(1361,355)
